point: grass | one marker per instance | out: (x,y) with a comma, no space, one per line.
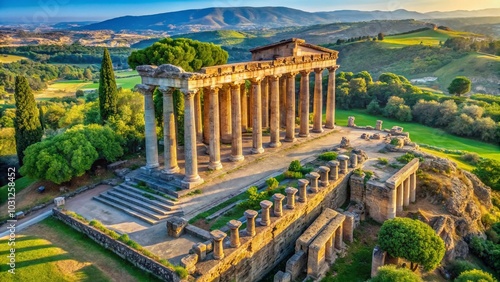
(21,183)
(455,158)
(423,134)
(6,59)
(220,206)
(426,37)
(125,83)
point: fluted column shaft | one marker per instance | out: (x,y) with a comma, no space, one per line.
(400,198)
(198,117)
(214,129)
(318,101)
(206,115)
(169,132)
(150,126)
(330,99)
(413,187)
(265,102)
(237,139)
(282,100)
(190,153)
(391,205)
(304,104)
(290,108)
(275,112)
(257,117)
(225,115)
(406,192)
(244,108)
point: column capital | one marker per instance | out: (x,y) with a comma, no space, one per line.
(275,77)
(235,84)
(256,80)
(214,88)
(305,72)
(189,93)
(334,68)
(318,70)
(290,74)
(145,89)
(166,90)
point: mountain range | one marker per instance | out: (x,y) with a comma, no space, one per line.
(245,18)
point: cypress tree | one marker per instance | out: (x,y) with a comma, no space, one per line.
(27,123)
(108,93)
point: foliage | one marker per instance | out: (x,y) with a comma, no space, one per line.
(107,88)
(408,157)
(488,171)
(374,108)
(389,273)
(272,183)
(295,166)
(383,161)
(397,109)
(293,174)
(27,123)
(7,141)
(191,55)
(475,275)
(178,98)
(487,251)
(460,85)
(380,36)
(64,156)
(412,240)
(471,158)
(456,267)
(254,198)
(328,156)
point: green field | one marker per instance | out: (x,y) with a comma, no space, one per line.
(120,74)
(422,134)
(426,37)
(125,83)
(10,58)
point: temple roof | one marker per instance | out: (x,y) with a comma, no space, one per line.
(297,41)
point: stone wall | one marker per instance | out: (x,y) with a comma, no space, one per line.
(260,254)
(374,196)
(139,260)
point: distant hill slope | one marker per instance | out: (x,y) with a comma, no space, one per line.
(244,18)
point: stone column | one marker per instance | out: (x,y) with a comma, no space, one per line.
(265,102)
(234,225)
(214,128)
(318,101)
(206,115)
(251,215)
(237,139)
(218,237)
(198,117)
(169,132)
(399,200)
(225,115)
(265,219)
(250,107)
(257,117)
(290,108)
(354,160)
(329,250)
(283,101)
(244,108)
(334,170)
(304,104)
(303,190)
(150,126)
(378,126)
(406,192)
(313,180)
(278,204)
(190,153)
(343,159)
(330,99)
(323,171)
(338,238)
(348,228)
(290,197)
(391,204)
(275,111)
(413,187)
(350,121)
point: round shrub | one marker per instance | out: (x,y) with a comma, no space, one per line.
(475,275)
(389,273)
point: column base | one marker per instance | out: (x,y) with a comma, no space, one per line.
(257,151)
(275,145)
(304,135)
(330,126)
(318,130)
(236,159)
(151,166)
(191,182)
(215,166)
(171,170)
(226,140)
(290,140)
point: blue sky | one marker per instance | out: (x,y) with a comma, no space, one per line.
(77,10)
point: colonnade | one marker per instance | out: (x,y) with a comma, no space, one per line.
(402,188)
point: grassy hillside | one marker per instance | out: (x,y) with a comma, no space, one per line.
(427,37)
(6,59)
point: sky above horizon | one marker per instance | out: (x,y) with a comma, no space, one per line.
(40,11)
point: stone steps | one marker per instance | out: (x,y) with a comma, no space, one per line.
(135,192)
(138,202)
(126,210)
(167,187)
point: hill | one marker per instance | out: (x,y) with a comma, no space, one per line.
(428,37)
(245,18)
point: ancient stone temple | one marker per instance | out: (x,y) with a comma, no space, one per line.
(227,111)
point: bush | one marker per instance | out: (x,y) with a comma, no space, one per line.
(489,172)
(124,238)
(456,267)
(295,166)
(272,183)
(374,108)
(293,174)
(475,275)
(383,161)
(471,158)
(487,251)
(181,271)
(408,157)
(389,273)
(328,156)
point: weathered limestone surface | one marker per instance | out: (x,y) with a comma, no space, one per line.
(175,226)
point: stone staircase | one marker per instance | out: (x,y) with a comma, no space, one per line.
(171,186)
(140,204)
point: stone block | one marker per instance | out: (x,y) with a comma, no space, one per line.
(296,264)
(201,250)
(378,260)
(59,201)
(282,277)
(189,262)
(175,226)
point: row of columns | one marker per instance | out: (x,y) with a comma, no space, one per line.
(227,113)
(402,195)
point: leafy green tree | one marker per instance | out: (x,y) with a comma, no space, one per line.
(374,107)
(27,123)
(53,114)
(358,92)
(108,93)
(397,109)
(389,78)
(106,142)
(460,85)
(389,273)
(87,74)
(380,36)
(412,240)
(366,76)
(8,117)
(475,275)
(488,171)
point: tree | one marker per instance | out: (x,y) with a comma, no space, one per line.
(374,107)
(475,275)
(108,93)
(397,109)
(87,74)
(460,85)
(412,240)
(380,36)
(366,76)
(488,171)
(389,273)
(27,123)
